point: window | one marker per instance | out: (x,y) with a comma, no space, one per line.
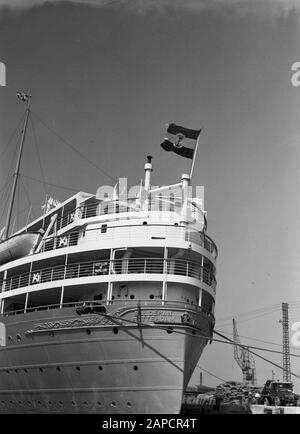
(207,301)
(103,229)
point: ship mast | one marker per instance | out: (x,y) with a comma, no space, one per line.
(23,97)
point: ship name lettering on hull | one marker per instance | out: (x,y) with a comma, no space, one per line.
(170,317)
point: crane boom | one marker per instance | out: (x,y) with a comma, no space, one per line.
(243,358)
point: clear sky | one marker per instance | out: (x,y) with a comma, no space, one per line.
(108,75)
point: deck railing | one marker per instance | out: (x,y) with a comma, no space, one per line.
(179,267)
(103,208)
(124,302)
(131,232)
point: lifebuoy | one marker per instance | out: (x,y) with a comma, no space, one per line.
(101,268)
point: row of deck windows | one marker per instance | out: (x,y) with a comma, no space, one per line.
(145,293)
(105,232)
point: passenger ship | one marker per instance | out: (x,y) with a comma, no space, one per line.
(106,304)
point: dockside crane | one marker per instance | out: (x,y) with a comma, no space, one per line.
(286,365)
(244,359)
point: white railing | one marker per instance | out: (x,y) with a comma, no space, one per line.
(103,208)
(179,267)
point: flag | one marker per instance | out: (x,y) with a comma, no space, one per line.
(23,96)
(50,204)
(180,140)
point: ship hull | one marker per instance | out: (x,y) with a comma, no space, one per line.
(55,362)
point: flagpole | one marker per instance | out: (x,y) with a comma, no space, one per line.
(194,157)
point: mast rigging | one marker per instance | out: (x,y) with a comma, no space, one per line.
(25,98)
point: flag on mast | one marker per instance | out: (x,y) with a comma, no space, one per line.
(180,140)
(23,96)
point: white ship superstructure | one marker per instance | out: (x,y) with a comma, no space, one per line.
(106,302)
(101,315)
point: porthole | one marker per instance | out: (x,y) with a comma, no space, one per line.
(169,330)
(145,223)
(60,403)
(49,403)
(135,367)
(29,402)
(16,371)
(19,337)
(58,368)
(88,331)
(9,338)
(25,370)
(132,296)
(129,404)
(85,403)
(41,369)
(7,371)
(11,402)
(78,368)
(39,403)
(99,404)
(100,368)
(115,330)
(20,402)
(73,403)
(113,404)
(151,296)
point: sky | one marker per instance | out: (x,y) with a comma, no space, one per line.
(106,76)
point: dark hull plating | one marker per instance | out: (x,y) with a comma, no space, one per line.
(56,362)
